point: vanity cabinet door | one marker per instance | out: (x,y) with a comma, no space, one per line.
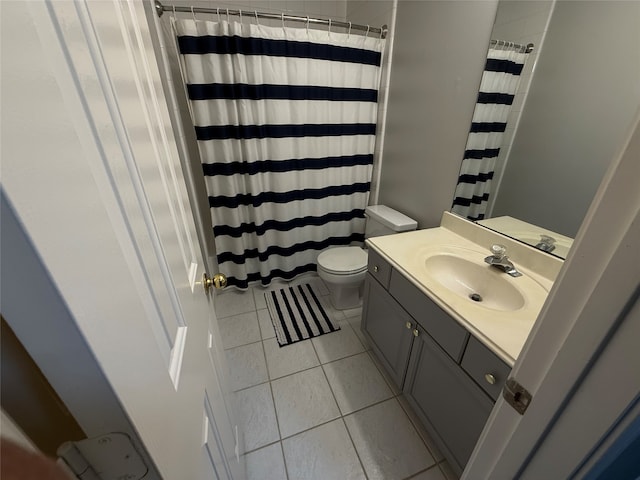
(389,329)
(452,407)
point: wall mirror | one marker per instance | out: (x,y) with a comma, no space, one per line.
(577,95)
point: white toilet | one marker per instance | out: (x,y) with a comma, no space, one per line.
(343,268)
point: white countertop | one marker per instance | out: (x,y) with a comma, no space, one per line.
(503,332)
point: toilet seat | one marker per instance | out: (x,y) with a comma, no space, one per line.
(343,260)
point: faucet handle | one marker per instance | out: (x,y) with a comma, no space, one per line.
(498,251)
(547,239)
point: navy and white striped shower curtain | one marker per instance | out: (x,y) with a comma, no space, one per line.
(285,120)
(497,90)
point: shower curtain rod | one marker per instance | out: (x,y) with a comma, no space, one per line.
(160,9)
(523,48)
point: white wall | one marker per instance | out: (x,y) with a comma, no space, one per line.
(378,13)
(583,97)
(439,54)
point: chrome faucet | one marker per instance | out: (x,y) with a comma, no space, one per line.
(499,259)
(546,244)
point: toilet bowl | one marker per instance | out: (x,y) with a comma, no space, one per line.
(343,269)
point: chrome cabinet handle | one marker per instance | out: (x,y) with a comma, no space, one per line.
(408,325)
(490,378)
(416,332)
(376,268)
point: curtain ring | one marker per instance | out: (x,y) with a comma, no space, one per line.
(368,28)
(227,15)
(257,21)
(381,32)
(218,12)
(282,18)
(307,24)
(240,13)
(174,12)
(193,14)
(329,30)
(349,32)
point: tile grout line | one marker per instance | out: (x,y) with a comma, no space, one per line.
(218,298)
(435,462)
(384,374)
(338,417)
(275,411)
(435,465)
(419,430)
(342,417)
(284,460)
(303,370)
(270,444)
(343,321)
(340,412)
(364,470)
(344,423)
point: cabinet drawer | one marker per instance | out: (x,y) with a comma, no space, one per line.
(379,268)
(479,362)
(450,335)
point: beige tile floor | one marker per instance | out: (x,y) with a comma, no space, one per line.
(321,408)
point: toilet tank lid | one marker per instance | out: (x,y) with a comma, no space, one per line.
(391,218)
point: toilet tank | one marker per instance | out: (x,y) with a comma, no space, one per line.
(382,220)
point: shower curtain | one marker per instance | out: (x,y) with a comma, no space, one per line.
(497,90)
(285,121)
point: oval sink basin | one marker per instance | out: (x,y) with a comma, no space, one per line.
(479,284)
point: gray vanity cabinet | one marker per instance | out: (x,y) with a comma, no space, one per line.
(451,406)
(388,327)
(449,378)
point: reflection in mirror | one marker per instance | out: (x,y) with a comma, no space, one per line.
(577,96)
(498,88)
(534,235)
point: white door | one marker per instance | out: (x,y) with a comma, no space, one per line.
(89,163)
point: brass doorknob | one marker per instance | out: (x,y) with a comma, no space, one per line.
(219,281)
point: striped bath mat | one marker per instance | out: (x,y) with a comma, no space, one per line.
(296,314)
